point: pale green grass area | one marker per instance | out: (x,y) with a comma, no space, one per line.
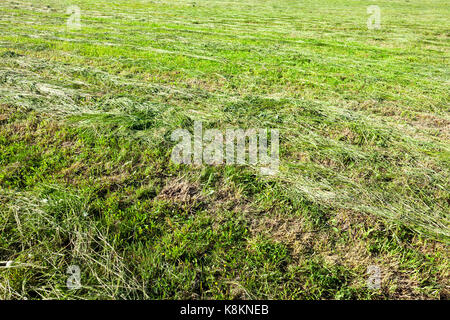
(364,147)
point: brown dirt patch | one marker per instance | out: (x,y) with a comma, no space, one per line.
(180,190)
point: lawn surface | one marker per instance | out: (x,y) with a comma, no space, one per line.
(86,177)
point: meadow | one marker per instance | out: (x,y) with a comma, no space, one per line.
(86,177)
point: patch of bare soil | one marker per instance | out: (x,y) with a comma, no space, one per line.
(181,191)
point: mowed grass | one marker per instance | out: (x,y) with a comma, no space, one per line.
(85,172)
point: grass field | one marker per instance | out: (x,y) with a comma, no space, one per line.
(86,177)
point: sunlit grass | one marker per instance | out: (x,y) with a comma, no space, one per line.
(86,117)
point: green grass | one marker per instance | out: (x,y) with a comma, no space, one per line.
(85,171)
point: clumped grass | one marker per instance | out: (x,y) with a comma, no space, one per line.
(85,171)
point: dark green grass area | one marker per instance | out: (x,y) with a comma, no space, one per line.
(86,176)
(141,227)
